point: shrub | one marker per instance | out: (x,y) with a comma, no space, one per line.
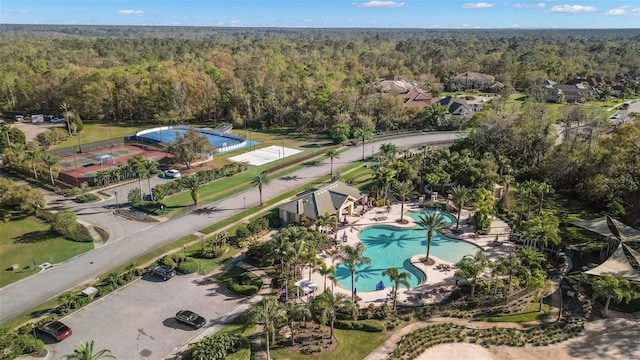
(189,266)
(362,325)
(168,260)
(88,197)
(242,231)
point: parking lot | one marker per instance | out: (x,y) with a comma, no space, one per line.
(137,321)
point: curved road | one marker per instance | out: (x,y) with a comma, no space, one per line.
(23,295)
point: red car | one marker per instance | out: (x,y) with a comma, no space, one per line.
(56,329)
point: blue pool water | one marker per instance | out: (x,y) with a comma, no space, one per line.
(169,135)
(390,246)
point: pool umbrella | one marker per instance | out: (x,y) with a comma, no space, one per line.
(380,286)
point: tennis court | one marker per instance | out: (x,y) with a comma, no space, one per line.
(86,165)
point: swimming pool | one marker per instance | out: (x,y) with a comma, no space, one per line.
(223,142)
(391,246)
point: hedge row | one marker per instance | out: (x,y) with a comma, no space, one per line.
(362,325)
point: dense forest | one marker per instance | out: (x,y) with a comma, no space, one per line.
(313,79)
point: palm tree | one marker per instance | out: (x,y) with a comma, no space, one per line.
(296,312)
(531,257)
(352,257)
(383,177)
(471,267)
(611,288)
(65,107)
(332,154)
(268,313)
(543,228)
(298,254)
(541,284)
(460,195)
(281,248)
(403,190)
(193,184)
(497,268)
(260,180)
(326,270)
(34,156)
(363,134)
(84,351)
(332,304)
(398,278)
(484,209)
(139,167)
(50,161)
(431,222)
(513,264)
(542,188)
(388,151)
(325,221)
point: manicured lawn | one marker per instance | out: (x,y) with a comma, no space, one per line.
(25,240)
(96,132)
(351,345)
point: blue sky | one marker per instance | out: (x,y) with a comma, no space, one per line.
(425,14)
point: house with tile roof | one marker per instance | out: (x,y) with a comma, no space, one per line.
(418,98)
(474,81)
(571,92)
(337,198)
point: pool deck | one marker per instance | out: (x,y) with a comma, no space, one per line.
(438,280)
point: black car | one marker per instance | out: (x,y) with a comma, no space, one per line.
(166,272)
(56,329)
(190,318)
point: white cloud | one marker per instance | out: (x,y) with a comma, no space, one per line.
(234,22)
(13,11)
(572,8)
(480,5)
(307,20)
(374,3)
(528,6)
(624,10)
(131,12)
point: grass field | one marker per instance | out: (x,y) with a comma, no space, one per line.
(26,240)
(96,132)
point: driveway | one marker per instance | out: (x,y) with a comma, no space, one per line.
(137,322)
(23,295)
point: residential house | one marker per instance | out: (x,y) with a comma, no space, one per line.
(418,98)
(474,81)
(572,92)
(456,106)
(337,198)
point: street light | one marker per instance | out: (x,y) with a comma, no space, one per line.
(244,201)
(117,203)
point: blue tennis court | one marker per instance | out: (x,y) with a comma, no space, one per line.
(223,142)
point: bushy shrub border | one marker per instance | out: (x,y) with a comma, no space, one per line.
(362,325)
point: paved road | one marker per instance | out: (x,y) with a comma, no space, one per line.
(23,295)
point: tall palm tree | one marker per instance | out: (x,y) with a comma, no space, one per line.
(33,156)
(542,188)
(298,254)
(611,288)
(296,312)
(50,161)
(497,268)
(388,151)
(193,184)
(513,264)
(383,177)
(139,167)
(484,209)
(326,270)
(332,154)
(332,304)
(403,190)
(260,180)
(398,278)
(472,266)
(363,134)
(460,195)
(64,106)
(431,222)
(281,248)
(353,256)
(325,220)
(84,351)
(268,313)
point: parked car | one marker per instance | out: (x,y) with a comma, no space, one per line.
(615,116)
(56,329)
(172,173)
(57,120)
(190,318)
(166,272)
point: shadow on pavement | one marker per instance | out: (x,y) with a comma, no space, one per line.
(175,324)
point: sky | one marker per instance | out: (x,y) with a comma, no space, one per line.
(421,14)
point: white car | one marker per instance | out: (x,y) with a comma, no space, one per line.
(57,120)
(615,116)
(172,173)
